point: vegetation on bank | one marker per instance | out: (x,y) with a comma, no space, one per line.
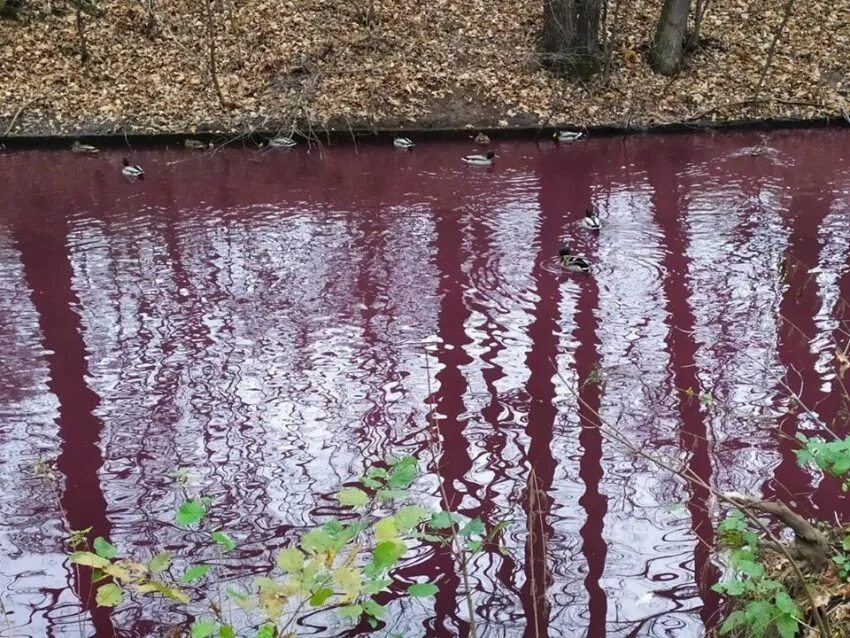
(74,66)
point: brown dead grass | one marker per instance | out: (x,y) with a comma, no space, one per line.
(405,63)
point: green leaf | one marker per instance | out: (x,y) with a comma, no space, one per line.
(316,541)
(389,495)
(290,560)
(160,562)
(410,516)
(191,513)
(195,573)
(108,595)
(440,520)
(88,559)
(203,628)
(759,614)
(374,609)
(154,586)
(403,473)
(349,580)
(385,529)
(350,611)
(474,527)
(104,548)
(376,585)
(266,631)
(474,546)
(226,631)
(224,541)
(320,596)
(751,569)
(785,603)
(422,590)
(352,497)
(786,626)
(387,554)
(732,622)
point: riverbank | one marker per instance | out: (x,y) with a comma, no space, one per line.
(394,64)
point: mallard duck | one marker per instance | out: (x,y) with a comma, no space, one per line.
(83,149)
(132,172)
(567,136)
(591,218)
(482,139)
(282,142)
(573,263)
(194,144)
(404,143)
(480,160)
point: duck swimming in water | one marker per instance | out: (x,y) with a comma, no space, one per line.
(132,172)
(570,262)
(591,218)
(282,142)
(404,143)
(480,160)
(567,136)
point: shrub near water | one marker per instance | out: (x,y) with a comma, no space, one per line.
(336,565)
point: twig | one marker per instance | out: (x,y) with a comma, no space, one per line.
(15,117)
(212,58)
(789,6)
(612,434)
(458,551)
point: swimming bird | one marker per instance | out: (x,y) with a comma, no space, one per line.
(404,143)
(591,218)
(132,172)
(570,262)
(282,141)
(83,149)
(480,160)
(567,136)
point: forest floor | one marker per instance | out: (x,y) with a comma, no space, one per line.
(394,64)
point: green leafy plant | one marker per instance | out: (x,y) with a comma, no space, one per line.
(830,457)
(339,565)
(762,604)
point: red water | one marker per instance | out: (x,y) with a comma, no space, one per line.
(262,319)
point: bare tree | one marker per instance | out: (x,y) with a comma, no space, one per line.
(571,36)
(669,45)
(212,54)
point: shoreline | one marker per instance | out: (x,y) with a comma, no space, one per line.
(221,137)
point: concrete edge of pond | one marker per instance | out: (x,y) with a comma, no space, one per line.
(375,135)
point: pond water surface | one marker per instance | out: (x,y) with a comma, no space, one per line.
(262,320)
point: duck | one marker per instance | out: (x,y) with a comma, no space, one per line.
(404,143)
(591,218)
(83,149)
(133,172)
(482,139)
(567,136)
(480,160)
(573,263)
(194,144)
(282,141)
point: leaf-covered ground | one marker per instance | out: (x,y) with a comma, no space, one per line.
(400,63)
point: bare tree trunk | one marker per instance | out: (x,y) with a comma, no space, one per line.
(571,36)
(211,37)
(668,47)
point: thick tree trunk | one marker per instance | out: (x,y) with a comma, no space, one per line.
(668,47)
(571,36)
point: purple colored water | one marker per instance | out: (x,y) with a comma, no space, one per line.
(261,319)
